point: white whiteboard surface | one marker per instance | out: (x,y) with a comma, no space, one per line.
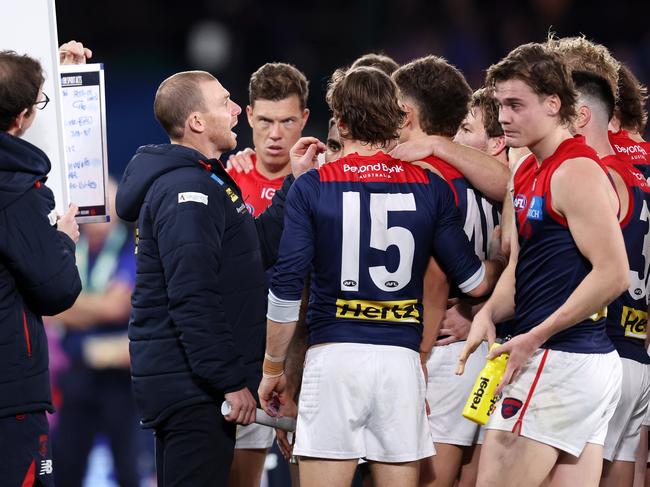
(84,135)
(29,27)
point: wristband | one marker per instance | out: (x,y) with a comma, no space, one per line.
(272,367)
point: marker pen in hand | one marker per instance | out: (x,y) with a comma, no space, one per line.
(284,423)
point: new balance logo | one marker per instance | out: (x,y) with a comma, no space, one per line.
(397,311)
(46,467)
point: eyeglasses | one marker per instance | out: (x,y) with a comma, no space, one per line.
(42,103)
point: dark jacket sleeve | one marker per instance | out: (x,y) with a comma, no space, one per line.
(270,224)
(189,235)
(40,258)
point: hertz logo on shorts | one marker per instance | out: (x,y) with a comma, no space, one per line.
(396,311)
(635,322)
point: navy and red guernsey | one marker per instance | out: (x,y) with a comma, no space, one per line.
(627,316)
(256,189)
(632,151)
(479,215)
(366,227)
(550,265)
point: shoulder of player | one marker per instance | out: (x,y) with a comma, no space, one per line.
(577,167)
(427,166)
(578,176)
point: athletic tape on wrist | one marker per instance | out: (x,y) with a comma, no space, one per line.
(271,358)
(271,368)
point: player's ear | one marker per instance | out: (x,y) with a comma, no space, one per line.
(249,115)
(553,105)
(583,116)
(343,130)
(305,117)
(409,118)
(496,145)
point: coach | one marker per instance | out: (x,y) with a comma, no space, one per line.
(198,323)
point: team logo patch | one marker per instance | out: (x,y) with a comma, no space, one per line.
(232,195)
(396,311)
(193,196)
(520,202)
(535,208)
(510,406)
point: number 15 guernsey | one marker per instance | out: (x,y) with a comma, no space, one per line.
(365,226)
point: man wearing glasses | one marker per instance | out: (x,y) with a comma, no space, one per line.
(38,275)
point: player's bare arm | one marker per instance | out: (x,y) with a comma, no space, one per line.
(583,195)
(500,306)
(483,171)
(434,302)
(278,337)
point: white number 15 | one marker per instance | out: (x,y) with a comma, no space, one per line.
(381,237)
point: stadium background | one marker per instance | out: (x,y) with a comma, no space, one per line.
(141,42)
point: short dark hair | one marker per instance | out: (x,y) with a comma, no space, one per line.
(277,81)
(632,97)
(440,92)
(484,100)
(177,97)
(592,85)
(543,70)
(365,100)
(377,60)
(21,78)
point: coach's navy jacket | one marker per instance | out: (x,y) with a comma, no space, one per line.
(199,307)
(38,276)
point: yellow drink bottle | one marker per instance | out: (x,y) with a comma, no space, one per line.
(481,401)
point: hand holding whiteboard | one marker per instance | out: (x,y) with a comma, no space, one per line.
(84,137)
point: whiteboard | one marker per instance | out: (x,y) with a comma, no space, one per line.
(84,136)
(29,27)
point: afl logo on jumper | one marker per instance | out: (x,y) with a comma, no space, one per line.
(510,406)
(520,202)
